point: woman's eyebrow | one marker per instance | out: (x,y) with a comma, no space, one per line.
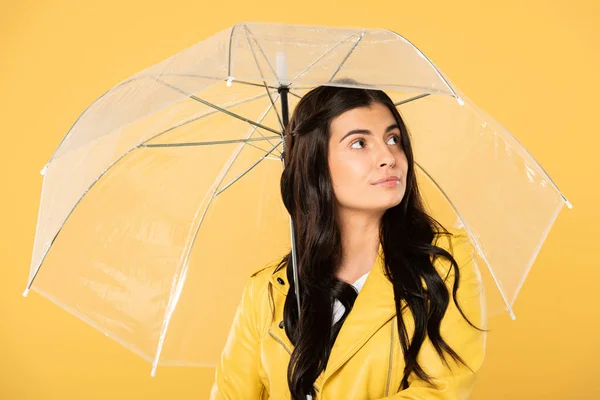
(368,132)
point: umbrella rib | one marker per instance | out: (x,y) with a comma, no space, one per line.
(477,245)
(262,75)
(411,99)
(437,71)
(229,50)
(294,94)
(326,53)
(249,169)
(263,117)
(212,77)
(229,62)
(207,115)
(399,103)
(362,34)
(253,84)
(475,109)
(265,138)
(216,107)
(141,77)
(274,107)
(249,32)
(261,149)
(203,116)
(216,142)
(378,86)
(259,160)
(71,212)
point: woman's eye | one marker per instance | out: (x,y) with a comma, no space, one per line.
(397,138)
(358,141)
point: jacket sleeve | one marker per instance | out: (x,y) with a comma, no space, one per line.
(457,383)
(236,375)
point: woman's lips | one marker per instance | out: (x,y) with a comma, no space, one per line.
(389,183)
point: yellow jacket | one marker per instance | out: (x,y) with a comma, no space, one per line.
(366,361)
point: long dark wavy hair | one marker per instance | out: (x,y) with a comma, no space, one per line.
(406,234)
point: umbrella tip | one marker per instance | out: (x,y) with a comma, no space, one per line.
(43,171)
(512,314)
(569,205)
(460,101)
(282,68)
(25,292)
(229,79)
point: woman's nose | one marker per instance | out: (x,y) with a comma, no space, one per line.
(386,157)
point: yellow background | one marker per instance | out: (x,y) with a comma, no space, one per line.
(532,65)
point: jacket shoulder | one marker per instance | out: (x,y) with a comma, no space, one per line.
(258,282)
(455,240)
(266,271)
(458,244)
(255,304)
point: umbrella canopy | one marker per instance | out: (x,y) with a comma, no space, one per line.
(164,196)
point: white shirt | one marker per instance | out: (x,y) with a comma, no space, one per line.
(338,308)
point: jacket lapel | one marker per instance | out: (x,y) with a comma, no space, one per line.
(373,308)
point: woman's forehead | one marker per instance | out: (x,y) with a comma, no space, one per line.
(375,118)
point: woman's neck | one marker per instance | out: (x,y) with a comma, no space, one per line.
(360,244)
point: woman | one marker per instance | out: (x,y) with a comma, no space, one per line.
(390,303)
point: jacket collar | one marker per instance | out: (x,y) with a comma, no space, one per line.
(373,308)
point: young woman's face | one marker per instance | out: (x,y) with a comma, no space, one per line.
(365,148)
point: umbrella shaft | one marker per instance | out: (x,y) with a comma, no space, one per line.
(283,92)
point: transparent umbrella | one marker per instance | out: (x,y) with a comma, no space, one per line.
(164,195)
